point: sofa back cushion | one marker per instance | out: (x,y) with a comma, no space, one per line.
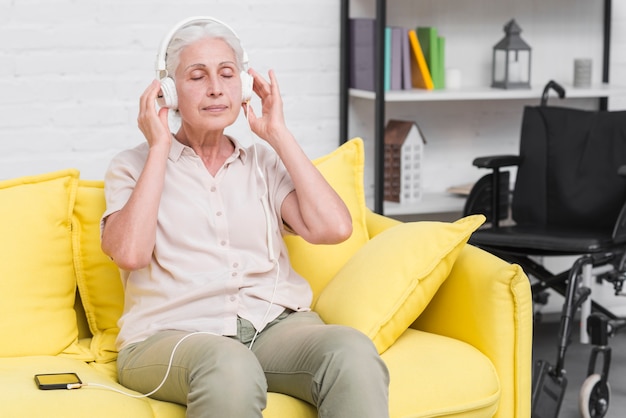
(97,276)
(343,169)
(37,284)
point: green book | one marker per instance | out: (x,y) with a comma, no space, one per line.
(388,35)
(441,44)
(428,39)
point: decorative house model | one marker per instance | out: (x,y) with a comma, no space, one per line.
(404,153)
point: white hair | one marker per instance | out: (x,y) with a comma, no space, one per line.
(194,32)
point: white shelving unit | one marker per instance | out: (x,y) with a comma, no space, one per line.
(487,93)
(443,202)
(474,120)
(431,203)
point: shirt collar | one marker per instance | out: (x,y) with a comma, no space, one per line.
(177,150)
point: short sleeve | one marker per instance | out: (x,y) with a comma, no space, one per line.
(121,177)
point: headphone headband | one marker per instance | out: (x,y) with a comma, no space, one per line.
(161,70)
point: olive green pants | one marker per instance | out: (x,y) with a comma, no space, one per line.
(334,368)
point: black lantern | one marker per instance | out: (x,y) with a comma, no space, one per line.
(511,60)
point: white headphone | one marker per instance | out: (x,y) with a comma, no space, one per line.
(168,87)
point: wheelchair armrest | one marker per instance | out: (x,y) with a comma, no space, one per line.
(497,161)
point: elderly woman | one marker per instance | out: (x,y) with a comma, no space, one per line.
(214,314)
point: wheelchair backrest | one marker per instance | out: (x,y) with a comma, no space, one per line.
(568,176)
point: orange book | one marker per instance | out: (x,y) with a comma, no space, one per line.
(419,68)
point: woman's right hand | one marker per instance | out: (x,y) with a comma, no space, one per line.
(153,124)
(129,234)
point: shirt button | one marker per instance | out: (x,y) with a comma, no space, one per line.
(235,265)
(219,213)
(234,274)
(222,243)
(232,298)
(213,188)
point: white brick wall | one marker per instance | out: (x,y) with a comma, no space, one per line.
(71,73)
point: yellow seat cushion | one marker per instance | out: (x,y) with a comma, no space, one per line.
(98,277)
(37,284)
(281,406)
(384,287)
(25,400)
(440,376)
(343,169)
(22,398)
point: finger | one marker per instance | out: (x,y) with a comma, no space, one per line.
(163,113)
(152,89)
(146,101)
(260,86)
(274,82)
(278,99)
(148,120)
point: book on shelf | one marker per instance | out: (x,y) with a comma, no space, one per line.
(362,53)
(387,58)
(441,44)
(408,61)
(432,47)
(395,68)
(407,77)
(420,74)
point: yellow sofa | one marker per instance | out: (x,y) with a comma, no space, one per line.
(452,322)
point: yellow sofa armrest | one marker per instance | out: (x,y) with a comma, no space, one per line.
(377,223)
(487,303)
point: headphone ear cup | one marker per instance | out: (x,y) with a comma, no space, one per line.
(246,86)
(168,90)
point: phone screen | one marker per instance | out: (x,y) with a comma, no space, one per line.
(57,380)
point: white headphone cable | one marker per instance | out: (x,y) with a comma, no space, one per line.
(265,204)
(167,372)
(268,225)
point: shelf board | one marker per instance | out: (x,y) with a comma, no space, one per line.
(431,203)
(489,93)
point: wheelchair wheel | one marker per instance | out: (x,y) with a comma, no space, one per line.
(594,397)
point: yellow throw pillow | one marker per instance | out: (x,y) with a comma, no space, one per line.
(343,169)
(384,287)
(37,283)
(98,277)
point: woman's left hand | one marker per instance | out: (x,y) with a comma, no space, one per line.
(313,210)
(270,126)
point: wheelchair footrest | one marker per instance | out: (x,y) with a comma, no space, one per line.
(548,391)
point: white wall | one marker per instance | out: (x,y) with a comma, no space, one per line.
(71,73)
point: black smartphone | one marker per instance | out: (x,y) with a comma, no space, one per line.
(58,381)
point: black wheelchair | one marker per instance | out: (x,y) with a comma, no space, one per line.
(569,198)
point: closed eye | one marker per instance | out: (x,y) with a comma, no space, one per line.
(227,73)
